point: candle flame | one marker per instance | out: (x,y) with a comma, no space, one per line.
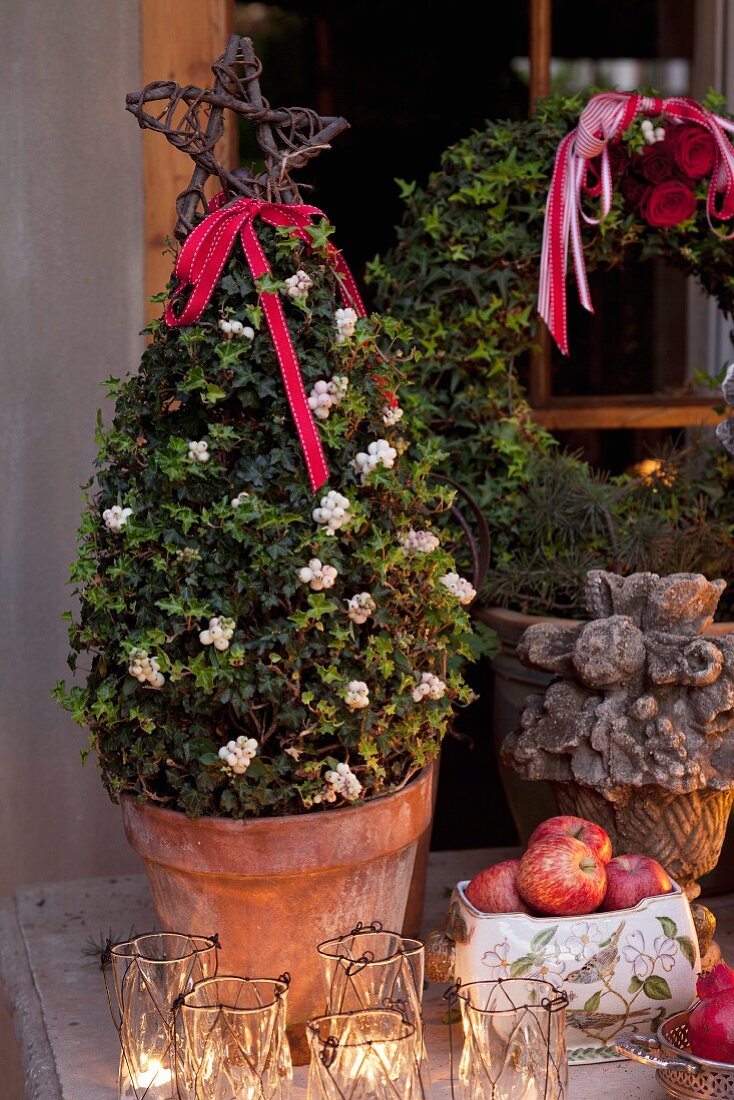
(152,1072)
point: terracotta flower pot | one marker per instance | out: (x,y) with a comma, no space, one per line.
(274,888)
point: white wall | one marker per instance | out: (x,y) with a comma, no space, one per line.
(71,307)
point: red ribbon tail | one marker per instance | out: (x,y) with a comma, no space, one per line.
(313,451)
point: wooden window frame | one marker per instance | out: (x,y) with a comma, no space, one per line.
(179,40)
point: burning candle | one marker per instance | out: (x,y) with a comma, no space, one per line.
(370,1054)
(152,1072)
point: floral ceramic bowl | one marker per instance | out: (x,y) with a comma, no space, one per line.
(627,968)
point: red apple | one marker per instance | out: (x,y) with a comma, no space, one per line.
(711,1027)
(632,878)
(718,979)
(577,827)
(561,877)
(494,889)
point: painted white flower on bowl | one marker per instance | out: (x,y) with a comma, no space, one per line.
(497,961)
(584,940)
(549,969)
(666,950)
(643,961)
(634,952)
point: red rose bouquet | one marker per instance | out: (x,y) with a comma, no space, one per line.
(659,182)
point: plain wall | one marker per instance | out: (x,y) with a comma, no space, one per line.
(71,308)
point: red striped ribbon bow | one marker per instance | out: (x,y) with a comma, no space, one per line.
(605,118)
(200,264)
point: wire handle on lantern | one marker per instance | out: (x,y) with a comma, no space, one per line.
(399,1004)
(359,928)
(451,996)
(354,966)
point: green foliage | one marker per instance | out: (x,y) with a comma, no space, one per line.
(465,273)
(187,554)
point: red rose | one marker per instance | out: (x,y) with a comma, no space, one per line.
(694,150)
(668,204)
(618,159)
(656,162)
(634,189)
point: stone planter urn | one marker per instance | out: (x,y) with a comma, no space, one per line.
(637,730)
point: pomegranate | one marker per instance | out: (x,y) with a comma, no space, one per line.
(716,981)
(711,1027)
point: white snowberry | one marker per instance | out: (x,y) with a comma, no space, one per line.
(391,415)
(333,512)
(458,587)
(116,517)
(219,633)
(430,686)
(378,453)
(145,669)
(357,695)
(360,607)
(326,395)
(240,499)
(238,754)
(651,133)
(188,553)
(198,450)
(419,542)
(345,320)
(229,329)
(318,576)
(298,285)
(342,782)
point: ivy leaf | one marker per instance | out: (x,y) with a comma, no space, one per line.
(635,984)
(656,988)
(212,394)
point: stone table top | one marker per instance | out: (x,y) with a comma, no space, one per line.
(56,993)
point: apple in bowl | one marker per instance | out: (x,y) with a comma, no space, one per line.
(630,878)
(561,876)
(577,827)
(494,890)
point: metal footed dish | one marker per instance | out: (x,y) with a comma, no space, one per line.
(680,1072)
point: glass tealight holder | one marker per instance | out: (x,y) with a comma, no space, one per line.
(514,1040)
(365,1055)
(232,1032)
(373,968)
(148,974)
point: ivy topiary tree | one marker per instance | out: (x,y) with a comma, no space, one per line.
(253,648)
(464,273)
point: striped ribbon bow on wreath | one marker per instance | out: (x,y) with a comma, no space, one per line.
(602,122)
